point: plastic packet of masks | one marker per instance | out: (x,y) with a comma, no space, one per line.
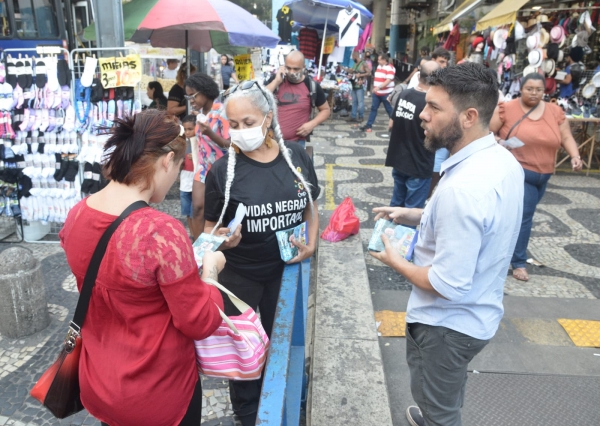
(286,249)
(512,143)
(204,243)
(402,238)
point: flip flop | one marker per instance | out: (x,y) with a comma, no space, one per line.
(520,274)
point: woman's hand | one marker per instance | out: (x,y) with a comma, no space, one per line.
(212,264)
(230,241)
(205,129)
(576,163)
(304,251)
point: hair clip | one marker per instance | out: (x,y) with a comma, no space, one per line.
(181,130)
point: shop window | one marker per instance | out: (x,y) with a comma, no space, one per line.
(4,21)
(36,19)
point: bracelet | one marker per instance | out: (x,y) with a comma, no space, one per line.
(578,157)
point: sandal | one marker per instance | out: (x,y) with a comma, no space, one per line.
(520,274)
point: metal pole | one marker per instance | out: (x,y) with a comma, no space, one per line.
(323,44)
(109,23)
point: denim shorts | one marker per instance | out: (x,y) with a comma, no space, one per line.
(186,203)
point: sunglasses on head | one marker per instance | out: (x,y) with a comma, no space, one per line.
(244,85)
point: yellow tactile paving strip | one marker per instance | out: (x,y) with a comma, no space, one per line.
(393,324)
(583,333)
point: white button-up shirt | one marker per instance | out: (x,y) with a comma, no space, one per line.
(467,235)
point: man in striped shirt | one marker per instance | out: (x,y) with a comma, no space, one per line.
(383,85)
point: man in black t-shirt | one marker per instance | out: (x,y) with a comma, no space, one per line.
(412,163)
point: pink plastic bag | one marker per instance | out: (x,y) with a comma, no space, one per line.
(343,222)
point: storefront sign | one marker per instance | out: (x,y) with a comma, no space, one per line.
(243,67)
(120,71)
(329,45)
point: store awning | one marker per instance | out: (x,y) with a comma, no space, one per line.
(504,13)
(463,9)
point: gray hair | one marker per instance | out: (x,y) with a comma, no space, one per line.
(264,101)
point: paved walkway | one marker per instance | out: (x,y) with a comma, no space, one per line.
(565,238)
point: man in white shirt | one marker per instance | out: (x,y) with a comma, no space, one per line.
(383,85)
(467,235)
(171,71)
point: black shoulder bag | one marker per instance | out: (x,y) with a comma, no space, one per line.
(58,388)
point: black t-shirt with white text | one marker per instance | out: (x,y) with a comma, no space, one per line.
(407,152)
(275,200)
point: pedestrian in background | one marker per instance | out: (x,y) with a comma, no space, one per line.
(297,95)
(543,129)
(468,232)
(227,72)
(358,74)
(149,304)
(155,92)
(212,135)
(382,87)
(411,161)
(186,176)
(176,102)
(170,73)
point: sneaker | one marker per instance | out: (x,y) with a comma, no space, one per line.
(414,416)
(352,120)
(365,128)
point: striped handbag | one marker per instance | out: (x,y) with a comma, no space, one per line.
(238,349)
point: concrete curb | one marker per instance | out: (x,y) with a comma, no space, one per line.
(347,381)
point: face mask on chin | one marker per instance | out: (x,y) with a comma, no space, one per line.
(250,139)
(295,77)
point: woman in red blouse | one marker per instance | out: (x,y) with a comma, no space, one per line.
(138,363)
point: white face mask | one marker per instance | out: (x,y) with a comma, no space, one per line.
(248,139)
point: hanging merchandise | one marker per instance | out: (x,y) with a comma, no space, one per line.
(329,45)
(309,42)
(337,55)
(39,141)
(364,37)
(348,20)
(285,20)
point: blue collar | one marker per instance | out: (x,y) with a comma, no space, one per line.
(467,151)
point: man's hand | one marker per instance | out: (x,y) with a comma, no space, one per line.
(388,213)
(305,129)
(231,241)
(401,215)
(281,72)
(304,251)
(390,256)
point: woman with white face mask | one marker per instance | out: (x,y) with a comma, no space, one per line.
(278,185)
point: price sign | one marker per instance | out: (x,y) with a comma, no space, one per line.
(120,71)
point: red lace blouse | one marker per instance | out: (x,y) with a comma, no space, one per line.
(138,364)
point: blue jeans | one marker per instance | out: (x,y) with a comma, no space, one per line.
(358,102)
(377,100)
(301,142)
(409,191)
(535,186)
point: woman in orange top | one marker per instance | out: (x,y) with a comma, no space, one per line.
(543,131)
